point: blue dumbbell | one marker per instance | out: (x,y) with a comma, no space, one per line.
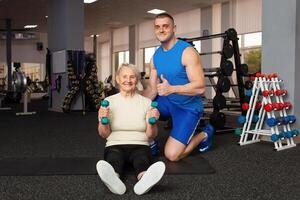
(285,120)
(255,118)
(242,119)
(152,120)
(288,134)
(248,93)
(274,137)
(295,132)
(291,119)
(104,104)
(281,135)
(272,121)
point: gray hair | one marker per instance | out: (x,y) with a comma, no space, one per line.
(129,66)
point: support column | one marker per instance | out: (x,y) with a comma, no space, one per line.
(8,54)
(132,44)
(281,46)
(65,25)
(65,32)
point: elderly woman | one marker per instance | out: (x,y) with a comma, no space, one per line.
(128,134)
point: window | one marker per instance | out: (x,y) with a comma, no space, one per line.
(197,45)
(121,57)
(35,71)
(252,39)
(148,53)
(250,48)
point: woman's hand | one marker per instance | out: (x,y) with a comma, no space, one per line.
(103,112)
(153,112)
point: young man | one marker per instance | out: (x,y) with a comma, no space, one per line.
(177,81)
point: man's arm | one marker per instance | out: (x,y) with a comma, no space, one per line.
(192,63)
(151,88)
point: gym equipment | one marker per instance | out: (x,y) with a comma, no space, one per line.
(152,120)
(248,93)
(217,119)
(287,105)
(223,84)
(226,67)
(272,121)
(248,85)
(219,102)
(245,106)
(224,72)
(238,131)
(227,51)
(244,69)
(255,118)
(20,85)
(263,105)
(242,119)
(104,120)
(82,83)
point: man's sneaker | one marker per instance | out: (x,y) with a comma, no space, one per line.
(154,148)
(110,177)
(153,174)
(206,144)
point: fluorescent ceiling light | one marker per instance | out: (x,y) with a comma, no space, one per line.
(30,26)
(156,11)
(89,1)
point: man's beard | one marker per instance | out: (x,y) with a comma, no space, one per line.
(167,39)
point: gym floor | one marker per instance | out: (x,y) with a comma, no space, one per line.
(249,172)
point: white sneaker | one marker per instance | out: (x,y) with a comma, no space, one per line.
(153,174)
(110,177)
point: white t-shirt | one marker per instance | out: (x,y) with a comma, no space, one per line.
(128,119)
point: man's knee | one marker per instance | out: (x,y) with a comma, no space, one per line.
(172,155)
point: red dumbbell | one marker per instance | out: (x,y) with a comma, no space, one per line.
(281,105)
(258,105)
(270,76)
(245,106)
(275,75)
(284,92)
(271,92)
(276,106)
(287,105)
(268,107)
(252,78)
(265,93)
(278,92)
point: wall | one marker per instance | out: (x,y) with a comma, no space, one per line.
(248,15)
(25,51)
(281,45)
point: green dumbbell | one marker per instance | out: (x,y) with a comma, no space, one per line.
(238,132)
(152,120)
(104,104)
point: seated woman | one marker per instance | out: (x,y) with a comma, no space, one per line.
(128,134)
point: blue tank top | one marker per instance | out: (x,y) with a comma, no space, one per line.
(168,63)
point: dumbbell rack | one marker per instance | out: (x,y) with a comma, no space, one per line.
(266,84)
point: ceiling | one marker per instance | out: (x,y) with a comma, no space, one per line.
(99,16)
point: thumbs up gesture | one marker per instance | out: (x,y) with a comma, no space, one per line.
(164,88)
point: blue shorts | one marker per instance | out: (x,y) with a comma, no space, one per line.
(184,121)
